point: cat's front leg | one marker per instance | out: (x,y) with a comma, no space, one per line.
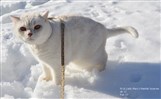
(57,75)
(51,74)
(46,73)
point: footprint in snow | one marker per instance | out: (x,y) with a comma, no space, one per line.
(89,8)
(121,44)
(135,77)
(95,14)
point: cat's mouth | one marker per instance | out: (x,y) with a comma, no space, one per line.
(30,39)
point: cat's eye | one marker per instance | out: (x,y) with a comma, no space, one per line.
(23,29)
(37,27)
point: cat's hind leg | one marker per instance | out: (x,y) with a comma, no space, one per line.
(96,61)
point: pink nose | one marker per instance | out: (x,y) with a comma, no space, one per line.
(30,34)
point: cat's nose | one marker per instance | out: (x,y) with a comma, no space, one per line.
(30,34)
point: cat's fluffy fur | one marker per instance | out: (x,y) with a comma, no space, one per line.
(85,41)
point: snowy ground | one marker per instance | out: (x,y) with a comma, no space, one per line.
(133,69)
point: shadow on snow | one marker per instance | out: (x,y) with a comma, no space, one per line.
(129,79)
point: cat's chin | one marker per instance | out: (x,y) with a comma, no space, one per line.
(29,41)
(32,41)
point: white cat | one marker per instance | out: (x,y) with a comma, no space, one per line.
(85,41)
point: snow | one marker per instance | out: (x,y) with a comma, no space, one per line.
(11,6)
(133,67)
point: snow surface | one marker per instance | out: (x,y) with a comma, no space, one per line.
(133,68)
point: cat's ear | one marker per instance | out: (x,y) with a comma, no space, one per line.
(45,15)
(14,18)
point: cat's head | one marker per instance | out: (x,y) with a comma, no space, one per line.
(32,28)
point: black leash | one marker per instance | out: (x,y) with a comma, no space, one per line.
(62,26)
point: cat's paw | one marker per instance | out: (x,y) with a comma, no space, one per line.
(44,77)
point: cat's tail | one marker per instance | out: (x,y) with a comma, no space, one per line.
(116,31)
